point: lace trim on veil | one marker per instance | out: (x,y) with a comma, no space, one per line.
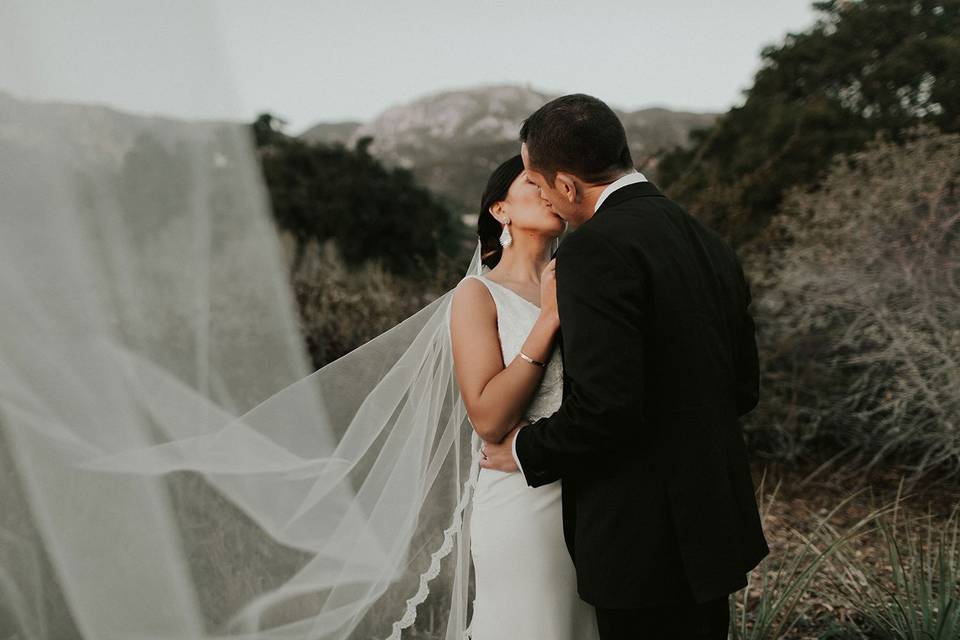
(455,529)
(456,524)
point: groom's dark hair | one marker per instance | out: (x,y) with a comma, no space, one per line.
(577,134)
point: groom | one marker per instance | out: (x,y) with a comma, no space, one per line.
(660,359)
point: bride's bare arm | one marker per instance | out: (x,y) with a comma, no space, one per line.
(494,396)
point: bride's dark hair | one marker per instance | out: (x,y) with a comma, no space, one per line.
(488,228)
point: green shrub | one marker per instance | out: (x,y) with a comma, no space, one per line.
(326,192)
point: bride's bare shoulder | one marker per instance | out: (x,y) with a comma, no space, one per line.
(473,299)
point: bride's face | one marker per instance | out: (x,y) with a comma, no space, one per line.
(528,211)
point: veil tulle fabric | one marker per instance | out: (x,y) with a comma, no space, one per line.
(171,468)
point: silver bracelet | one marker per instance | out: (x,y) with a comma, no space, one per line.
(531,360)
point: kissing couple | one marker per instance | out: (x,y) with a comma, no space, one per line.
(614,498)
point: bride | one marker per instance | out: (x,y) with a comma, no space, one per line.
(503,328)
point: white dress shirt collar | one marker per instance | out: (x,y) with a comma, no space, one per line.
(631,178)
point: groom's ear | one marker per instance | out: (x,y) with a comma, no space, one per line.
(566,185)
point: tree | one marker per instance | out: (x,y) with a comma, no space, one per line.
(865,67)
(322,192)
(267,129)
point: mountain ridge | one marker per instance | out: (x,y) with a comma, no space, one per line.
(452,139)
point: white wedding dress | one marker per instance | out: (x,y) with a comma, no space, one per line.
(526,586)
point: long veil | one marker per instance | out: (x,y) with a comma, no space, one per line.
(171,467)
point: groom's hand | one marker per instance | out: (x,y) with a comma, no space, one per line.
(499,456)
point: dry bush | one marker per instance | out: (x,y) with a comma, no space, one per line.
(341,307)
(857,299)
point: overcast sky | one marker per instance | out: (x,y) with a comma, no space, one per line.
(325,60)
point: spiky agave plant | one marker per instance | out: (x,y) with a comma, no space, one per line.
(785,577)
(918,596)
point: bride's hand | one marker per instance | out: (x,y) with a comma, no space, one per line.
(548,290)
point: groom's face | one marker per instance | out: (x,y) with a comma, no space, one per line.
(564,206)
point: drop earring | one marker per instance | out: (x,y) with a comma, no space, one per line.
(505,238)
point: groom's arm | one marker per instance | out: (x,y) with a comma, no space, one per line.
(600,299)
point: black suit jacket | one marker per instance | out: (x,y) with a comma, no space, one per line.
(660,359)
